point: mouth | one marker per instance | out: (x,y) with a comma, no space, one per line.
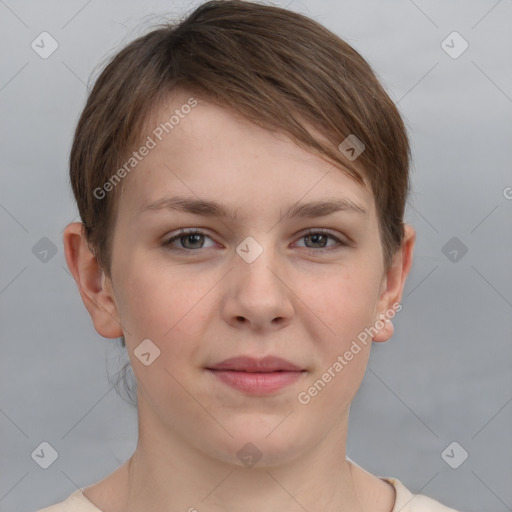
(257,376)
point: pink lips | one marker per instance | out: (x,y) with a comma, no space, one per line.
(256,376)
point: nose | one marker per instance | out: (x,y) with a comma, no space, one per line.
(258,295)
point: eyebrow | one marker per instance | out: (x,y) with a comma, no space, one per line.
(214,209)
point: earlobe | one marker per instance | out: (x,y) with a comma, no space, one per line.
(394,281)
(91,282)
(386,332)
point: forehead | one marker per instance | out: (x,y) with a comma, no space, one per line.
(204,150)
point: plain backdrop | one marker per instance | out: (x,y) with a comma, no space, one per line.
(444,378)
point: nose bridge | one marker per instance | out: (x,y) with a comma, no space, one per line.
(257,291)
(257,264)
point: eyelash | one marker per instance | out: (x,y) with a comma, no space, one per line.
(339,243)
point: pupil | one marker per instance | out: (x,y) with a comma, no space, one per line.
(316,238)
(190,238)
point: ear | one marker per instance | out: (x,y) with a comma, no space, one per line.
(393,283)
(94,287)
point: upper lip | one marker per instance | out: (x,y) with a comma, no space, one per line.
(250,364)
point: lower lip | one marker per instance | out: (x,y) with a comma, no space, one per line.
(257,383)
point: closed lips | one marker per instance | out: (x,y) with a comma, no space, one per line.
(267,364)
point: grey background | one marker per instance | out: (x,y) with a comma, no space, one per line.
(444,377)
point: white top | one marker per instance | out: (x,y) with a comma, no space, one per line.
(405,501)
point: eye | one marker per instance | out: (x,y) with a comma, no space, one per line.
(319,238)
(194,239)
(190,240)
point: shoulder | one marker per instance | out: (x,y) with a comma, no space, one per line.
(406,501)
(76,502)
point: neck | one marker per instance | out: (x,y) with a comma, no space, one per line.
(162,475)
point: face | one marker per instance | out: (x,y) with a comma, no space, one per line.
(235,265)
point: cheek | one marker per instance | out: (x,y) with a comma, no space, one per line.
(157,303)
(161,305)
(153,298)
(331,391)
(341,301)
(344,305)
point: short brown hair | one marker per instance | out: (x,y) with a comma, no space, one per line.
(279,69)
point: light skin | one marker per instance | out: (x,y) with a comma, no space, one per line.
(304,299)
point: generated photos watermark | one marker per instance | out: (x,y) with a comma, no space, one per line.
(137,156)
(305,397)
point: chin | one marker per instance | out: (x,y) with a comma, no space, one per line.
(261,442)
